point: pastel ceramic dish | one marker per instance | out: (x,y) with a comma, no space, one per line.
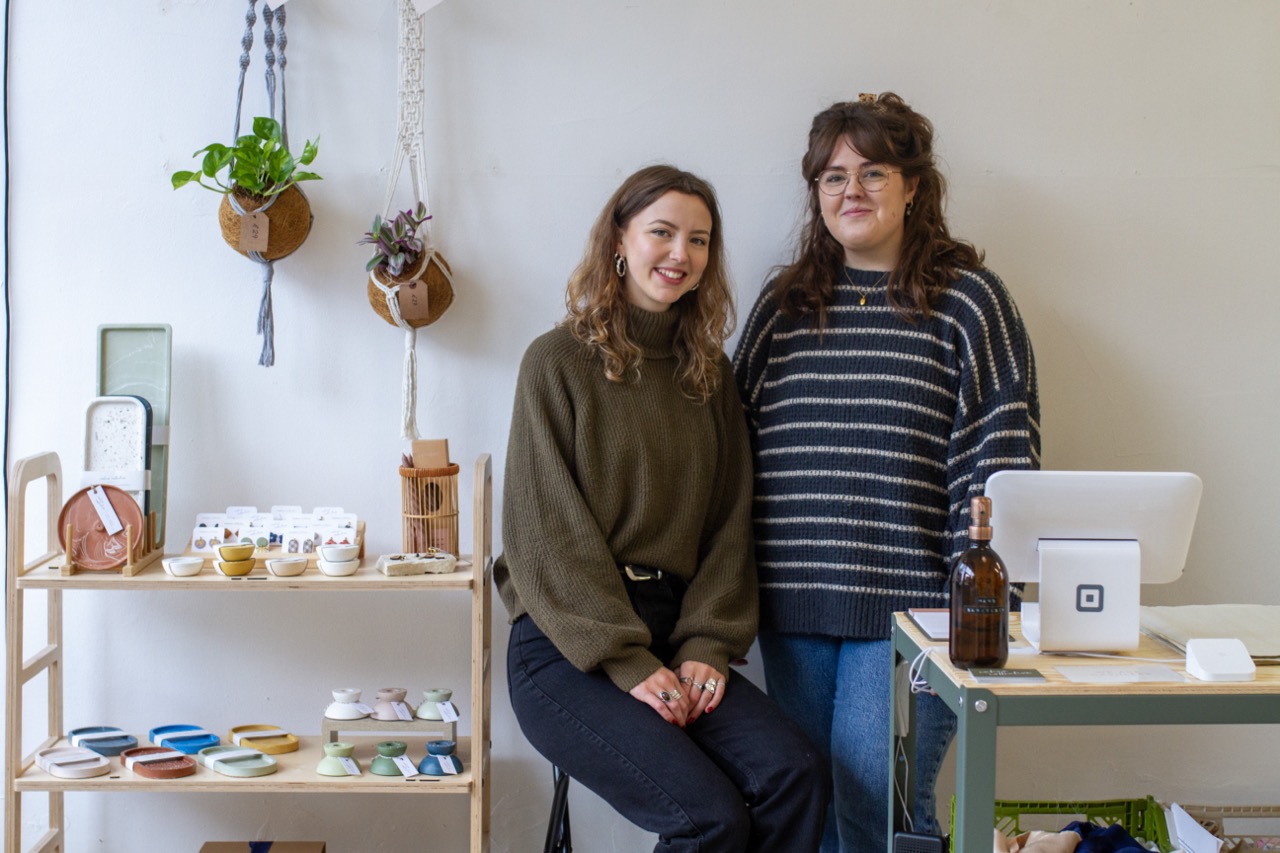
(272,740)
(157,762)
(183,567)
(345,705)
(384,763)
(440,760)
(238,551)
(235,568)
(339,553)
(429,709)
(186,739)
(287,567)
(337,570)
(332,764)
(237,761)
(103,740)
(72,762)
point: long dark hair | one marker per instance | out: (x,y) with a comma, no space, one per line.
(596,295)
(884,130)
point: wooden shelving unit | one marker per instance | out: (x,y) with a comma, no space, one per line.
(296,772)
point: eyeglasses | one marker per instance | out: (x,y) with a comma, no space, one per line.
(872,179)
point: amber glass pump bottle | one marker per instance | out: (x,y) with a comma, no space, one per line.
(979,597)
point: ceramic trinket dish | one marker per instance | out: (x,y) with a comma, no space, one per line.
(183,567)
(269,739)
(186,739)
(236,551)
(238,761)
(72,762)
(391,706)
(337,570)
(346,705)
(440,759)
(336,756)
(103,740)
(287,567)
(235,568)
(158,762)
(430,709)
(430,562)
(384,764)
(340,553)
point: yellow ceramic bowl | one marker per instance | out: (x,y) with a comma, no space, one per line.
(240,551)
(235,568)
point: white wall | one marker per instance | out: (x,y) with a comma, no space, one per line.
(1118,161)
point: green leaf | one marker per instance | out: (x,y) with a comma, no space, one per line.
(306,176)
(181,179)
(266,128)
(309,151)
(373,263)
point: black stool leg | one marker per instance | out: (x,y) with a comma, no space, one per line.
(558,836)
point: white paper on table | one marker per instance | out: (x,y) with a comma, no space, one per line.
(1190,835)
(1120,674)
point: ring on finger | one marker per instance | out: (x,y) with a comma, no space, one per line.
(687,680)
(699,685)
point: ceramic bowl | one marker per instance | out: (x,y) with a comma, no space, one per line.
(183,567)
(237,552)
(287,567)
(338,570)
(235,568)
(429,709)
(339,553)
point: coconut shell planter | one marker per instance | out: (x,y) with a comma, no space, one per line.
(425,292)
(289,221)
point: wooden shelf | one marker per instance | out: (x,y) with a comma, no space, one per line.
(296,774)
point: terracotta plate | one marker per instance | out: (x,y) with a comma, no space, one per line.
(172,767)
(91,547)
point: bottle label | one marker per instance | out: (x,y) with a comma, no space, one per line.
(985,606)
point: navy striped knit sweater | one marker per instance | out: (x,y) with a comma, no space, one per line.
(869,439)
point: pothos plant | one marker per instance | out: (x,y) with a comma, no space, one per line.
(396,240)
(258,163)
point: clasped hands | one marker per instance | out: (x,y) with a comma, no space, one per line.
(683,695)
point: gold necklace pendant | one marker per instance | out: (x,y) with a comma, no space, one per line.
(863,300)
(862,295)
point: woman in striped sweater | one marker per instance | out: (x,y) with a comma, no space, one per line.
(885,374)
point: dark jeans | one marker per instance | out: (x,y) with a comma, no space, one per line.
(742,778)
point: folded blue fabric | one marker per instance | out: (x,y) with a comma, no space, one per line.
(1104,839)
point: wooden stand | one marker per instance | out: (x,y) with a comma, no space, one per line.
(134,563)
(424,729)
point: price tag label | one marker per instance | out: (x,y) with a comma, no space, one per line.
(402,711)
(106,512)
(406,765)
(448,713)
(353,769)
(253,232)
(448,765)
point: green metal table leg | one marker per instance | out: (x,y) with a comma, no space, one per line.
(975,772)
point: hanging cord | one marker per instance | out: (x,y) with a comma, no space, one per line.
(8,328)
(266,314)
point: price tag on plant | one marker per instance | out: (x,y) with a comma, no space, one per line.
(353,769)
(253,232)
(447,764)
(406,765)
(448,713)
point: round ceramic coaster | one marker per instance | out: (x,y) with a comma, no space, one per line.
(186,739)
(103,740)
(158,762)
(269,739)
(72,762)
(237,761)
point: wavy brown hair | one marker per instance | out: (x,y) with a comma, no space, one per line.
(883,129)
(597,303)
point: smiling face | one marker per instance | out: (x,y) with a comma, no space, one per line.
(869,225)
(666,246)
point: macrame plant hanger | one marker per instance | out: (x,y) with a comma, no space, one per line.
(409,146)
(266,320)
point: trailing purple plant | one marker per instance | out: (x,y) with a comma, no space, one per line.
(396,241)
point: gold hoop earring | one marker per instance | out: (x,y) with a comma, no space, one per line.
(620,266)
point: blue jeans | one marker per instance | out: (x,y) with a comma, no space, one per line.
(838,691)
(742,778)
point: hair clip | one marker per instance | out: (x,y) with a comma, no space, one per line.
(867,98)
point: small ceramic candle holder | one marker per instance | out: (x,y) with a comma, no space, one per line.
(337,570)
(430,764)
(384,764)
(429,710)
(331,764)
(387,697)
(183,567)
(343,706)
(287,567)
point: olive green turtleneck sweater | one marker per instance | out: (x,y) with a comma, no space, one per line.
(600,473)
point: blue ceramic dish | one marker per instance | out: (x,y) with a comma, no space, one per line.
(104,740)
(190,743)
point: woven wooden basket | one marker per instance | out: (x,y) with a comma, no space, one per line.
(289,221)
(423,296)
(429,509)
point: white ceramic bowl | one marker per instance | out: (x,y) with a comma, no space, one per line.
(183,567)
(339,569)
(287,567)
(339,553)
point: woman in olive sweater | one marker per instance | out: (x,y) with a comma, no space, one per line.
(628,570)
